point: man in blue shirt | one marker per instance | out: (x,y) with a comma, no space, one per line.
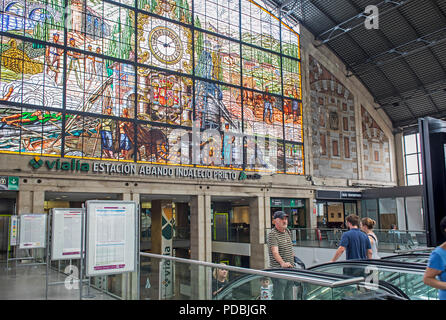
(436,267)
(355,242)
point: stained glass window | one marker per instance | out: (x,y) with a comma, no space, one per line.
(119,80)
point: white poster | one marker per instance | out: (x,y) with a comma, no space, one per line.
(32,232)
(13,230)
(66,234)
(111,237)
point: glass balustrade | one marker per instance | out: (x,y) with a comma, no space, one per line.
(405,276)
(388,240)
(422,258)
(167,278)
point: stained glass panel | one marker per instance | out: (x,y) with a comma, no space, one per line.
(290,42)
(10,128)
(293,120)
(153,144)
(218,16)
(294,158)
(228,71)
(261,70)
(179,10)
(164,44)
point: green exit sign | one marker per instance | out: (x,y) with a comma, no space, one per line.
(9,183)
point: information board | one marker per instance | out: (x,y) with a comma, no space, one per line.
(14,230)
(32,232)
(66,234)
(111,237)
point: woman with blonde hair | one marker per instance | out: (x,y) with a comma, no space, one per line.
(367,225)
(220,279)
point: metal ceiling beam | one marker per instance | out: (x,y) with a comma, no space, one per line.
(345,30)
(417,79)
(365,53)
(406,99)
(374,61)
(397,92)
(295,6)
(413,121)
(277,10)
(419,82)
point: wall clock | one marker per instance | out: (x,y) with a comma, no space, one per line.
(165,45)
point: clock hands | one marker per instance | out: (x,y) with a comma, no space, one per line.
(166,44)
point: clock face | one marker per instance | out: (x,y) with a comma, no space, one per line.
(165,45)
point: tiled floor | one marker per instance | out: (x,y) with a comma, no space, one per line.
(29,283)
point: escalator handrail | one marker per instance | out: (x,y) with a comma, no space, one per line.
(378,262)
(336,279)
(299,275)
(342,281)
(407,255)
(395,290)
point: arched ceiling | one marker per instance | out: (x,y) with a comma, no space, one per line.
(402,63)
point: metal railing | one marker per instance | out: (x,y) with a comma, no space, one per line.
(388,240)
(234,233)
(171,278)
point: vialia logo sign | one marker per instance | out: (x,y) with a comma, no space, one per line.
(73,165)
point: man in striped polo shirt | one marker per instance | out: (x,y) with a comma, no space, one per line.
(281,255)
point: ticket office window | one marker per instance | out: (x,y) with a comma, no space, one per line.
(335,215)
(295,208)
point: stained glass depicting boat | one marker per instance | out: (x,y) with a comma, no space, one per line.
(30,131)
(24,79)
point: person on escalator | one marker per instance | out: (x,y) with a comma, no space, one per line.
(354,242)
(281,255)
(435,274)
(367,225)
(220,279)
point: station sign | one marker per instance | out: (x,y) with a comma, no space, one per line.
(138,169)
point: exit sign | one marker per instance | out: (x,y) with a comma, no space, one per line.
(9,183)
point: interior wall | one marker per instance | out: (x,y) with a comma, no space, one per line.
(240,215)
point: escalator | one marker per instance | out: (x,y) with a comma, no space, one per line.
(422,258)
(407,276)
(312,286)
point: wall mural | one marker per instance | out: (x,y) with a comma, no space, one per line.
(333,125)
(376,149)
(111,81)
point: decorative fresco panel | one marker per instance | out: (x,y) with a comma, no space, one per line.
(334,145)
(376,149)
